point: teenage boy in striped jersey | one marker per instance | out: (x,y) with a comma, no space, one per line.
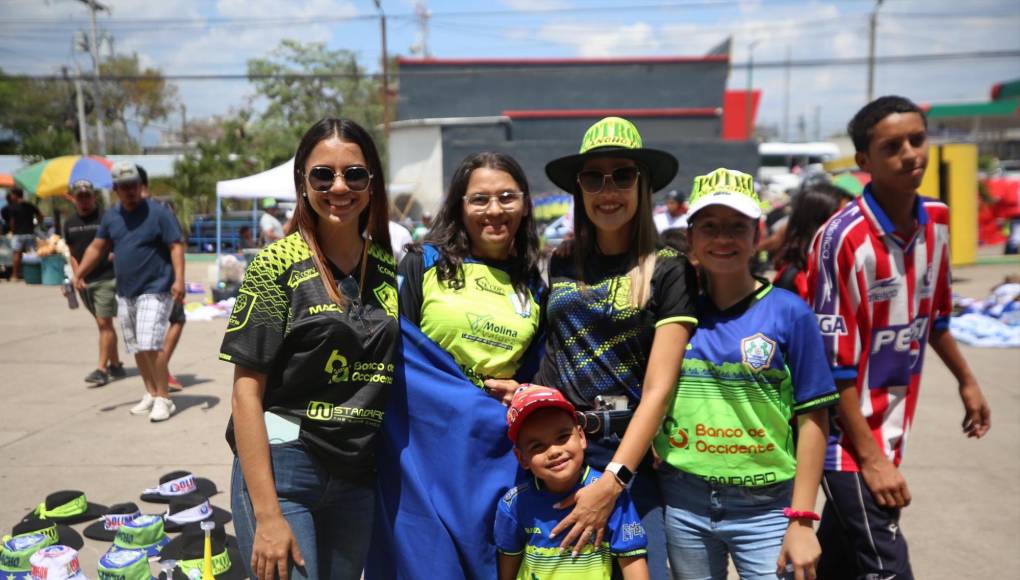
(879,283)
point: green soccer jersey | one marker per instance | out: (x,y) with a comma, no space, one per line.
(487,326)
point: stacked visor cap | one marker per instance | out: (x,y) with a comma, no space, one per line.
(16,555)
(613,137)
(178,483)
(59,533)
(143,533)
(67,507)
(191,508)
(116,516)
(188,553)
(726,187)
(56,563)
(125,565)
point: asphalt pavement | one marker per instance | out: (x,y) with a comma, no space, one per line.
(56,433)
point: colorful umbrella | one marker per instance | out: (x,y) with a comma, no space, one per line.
(54,176)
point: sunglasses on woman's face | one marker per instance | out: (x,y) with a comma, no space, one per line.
(595,181)
(356,178)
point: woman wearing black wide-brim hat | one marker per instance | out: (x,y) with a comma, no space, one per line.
(619,316)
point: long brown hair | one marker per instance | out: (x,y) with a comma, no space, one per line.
(640,251)
(372,224)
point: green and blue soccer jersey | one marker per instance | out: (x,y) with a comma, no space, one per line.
(598,342)
(486,325)
(525,518)
(747,372)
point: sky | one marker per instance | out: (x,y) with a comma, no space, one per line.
(202,37)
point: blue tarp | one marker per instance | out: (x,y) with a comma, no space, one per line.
(444,462)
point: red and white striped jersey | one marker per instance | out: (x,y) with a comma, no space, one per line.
(877,297)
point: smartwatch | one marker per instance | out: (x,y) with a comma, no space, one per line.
(622,474)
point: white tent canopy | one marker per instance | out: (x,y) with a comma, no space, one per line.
(277,182)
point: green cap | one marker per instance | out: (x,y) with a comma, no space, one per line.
(142,533)
(268,203)
(124,565)
(16,553)
(727,187)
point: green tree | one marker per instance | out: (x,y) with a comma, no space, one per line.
(37,118)
(134,96)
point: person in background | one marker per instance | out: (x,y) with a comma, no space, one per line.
(675,215)
(149,265)
(879,282)
(177,315)
(23,216)
(246,241)
(100,293)
(422,229)
(270,228)
(314,341)
(811,208)
(5,214)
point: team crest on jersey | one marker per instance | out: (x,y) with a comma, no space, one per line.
(386,294)
(243,305)
(757,351)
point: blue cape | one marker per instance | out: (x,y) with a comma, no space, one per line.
(444,462)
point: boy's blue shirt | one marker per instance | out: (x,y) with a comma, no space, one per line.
(525,517)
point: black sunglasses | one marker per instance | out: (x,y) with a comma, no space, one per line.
(356,177)
(595,181)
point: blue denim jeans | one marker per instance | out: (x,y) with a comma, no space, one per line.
(331,518)
(705,522)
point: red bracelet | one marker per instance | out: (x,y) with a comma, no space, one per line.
(794,515)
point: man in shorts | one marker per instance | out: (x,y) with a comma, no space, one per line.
(177,316)
(99,295)
(149,265)
(23,216)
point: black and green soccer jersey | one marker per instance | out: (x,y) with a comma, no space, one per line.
(328,367)
(486,326)
(598,343)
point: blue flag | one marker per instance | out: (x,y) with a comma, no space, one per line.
(444,462)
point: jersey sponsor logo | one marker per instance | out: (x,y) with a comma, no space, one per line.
(679,439)
(486,285)
(243,305)
(484,323)
(533,531)
(900,338)
(386,294)
(386,271)
(322,411)
(896,353)
(831,324)
(337,368)
(632,530)
(885,289)
(757,479)
(299,276)
(757,351)
(381,255)
(320,308)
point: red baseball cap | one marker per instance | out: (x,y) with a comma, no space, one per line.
(527,400)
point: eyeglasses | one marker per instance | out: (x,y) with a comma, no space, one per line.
(734,230)
(356,177)
(595,181)
(351,290)
(506,200)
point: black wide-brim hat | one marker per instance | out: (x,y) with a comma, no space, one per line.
(65,535)
(190,545)
(60,501)
(117,515)
(165,491)
(191,506)
(618,138)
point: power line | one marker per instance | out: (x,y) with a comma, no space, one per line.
(543,69)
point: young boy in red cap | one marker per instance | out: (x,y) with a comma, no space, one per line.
(549,442)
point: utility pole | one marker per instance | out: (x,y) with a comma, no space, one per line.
(184,125)
(385,71)
(750,89)
(422,14)
(786,96)
(94,6)
(872,27)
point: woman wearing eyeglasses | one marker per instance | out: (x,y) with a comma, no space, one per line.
(314,336)
(473,286)
(619,316)
(738,479)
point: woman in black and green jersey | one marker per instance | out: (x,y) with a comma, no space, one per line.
(314,337)
(619,316)
(473,286)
